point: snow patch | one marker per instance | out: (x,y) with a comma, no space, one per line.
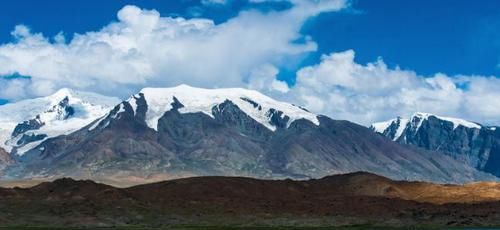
(401,128)
(97,122)
(417,120)
(133,103)
(120,110)
(456,121)
(380,127)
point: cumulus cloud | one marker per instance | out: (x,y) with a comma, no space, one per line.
(344,89)
(13,88)
(264,79)
(145,49)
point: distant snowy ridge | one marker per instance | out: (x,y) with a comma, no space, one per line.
(472,143)
(401,124)
(456,121)
(256,105)
(58,114)
(415,122)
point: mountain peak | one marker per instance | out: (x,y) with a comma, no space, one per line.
(465,140)
(63,92)
(76,96)
(421,115)
(255,104)
(456,121)
(415,121)
(24,124)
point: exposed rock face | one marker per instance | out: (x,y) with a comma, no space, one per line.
(5,160)
(477,145)
(122,146)
(61,111)
(32,124)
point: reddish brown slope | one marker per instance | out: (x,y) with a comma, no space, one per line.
(336,200)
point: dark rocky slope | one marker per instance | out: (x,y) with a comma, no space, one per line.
(358,198)
(5,160)
(478,146)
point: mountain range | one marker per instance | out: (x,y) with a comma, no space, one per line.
(166,133)
(475,144)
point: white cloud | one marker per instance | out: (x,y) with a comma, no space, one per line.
(264,79)
(344,89)
(13,88)
(144,49)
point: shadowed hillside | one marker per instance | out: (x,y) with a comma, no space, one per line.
(357,198)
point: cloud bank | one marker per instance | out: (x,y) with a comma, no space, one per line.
(142,48)
(145,49)
(340,87)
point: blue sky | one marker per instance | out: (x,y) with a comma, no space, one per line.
(414,41)
(454,37)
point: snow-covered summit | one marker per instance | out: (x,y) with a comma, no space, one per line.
(399,122)
(26,123)
(471,142)
(456,121)
(28,109)
(396,127)
(253,103)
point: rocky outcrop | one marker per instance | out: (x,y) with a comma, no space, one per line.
(61,111)
(32,124)
(477,145)
(5,160)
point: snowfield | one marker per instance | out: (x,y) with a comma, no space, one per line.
(87,108)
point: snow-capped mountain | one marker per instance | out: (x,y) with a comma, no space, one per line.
(25,124)
(163,133)
(268,112)
(474,143)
